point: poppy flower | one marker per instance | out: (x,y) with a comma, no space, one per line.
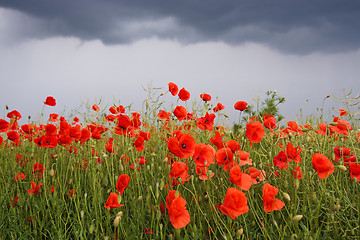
(34,189)
(204,155)
(207,122)
(4,125)
(95,108)
(270,202)
(322,165)
(139,144)
(173,88)
(224,156)
(269,121)
(205,97)
(164,115)
(14,115)
(85,135)
(218,107)
(217,140)
(240,105)
(341,152)
(293,153)
(235,203)
(122,183)
(13,136)
(182,148)
(180,112)
(112,201)
(113,110)
(354,169)
(50,101)
(341,127)
(240,179)
(244,158)
(233,145)
(342,112)
(202,171)
(184,95)
(322,129)
(38,170)
(1,140)
(171,196)
(19,176)
(179,216)
(256,175)
(123,124)
(109,146)
(351,158)
(180,170)
(255,132)
(53,117)
(297,173)
(281,160)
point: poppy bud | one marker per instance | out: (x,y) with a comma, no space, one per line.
(117,221)
(7,107)
(82,213)
(52,172)
(286,196)
(240,232)
(297,218)
(29,117)
(296,184)
(119,214)
(313,196)
(140,198)
(341,167)
(91,229)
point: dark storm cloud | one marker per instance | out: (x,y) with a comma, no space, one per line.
(295,26)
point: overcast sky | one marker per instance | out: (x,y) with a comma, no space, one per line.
(88,50)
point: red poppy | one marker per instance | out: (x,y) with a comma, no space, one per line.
(173,88)
(122,183)
(341,152)
(109,146)
(179,216)
(256,175)
(351,158)
(171,196)
(164,115)
(224,156)
(50,101)
(1,140)
(13,136)
(123,125)
(217,140)
(281,160)
(96,108)
(254,132)
(113,110)
(20,176)
(180,112)
(240,179)
(341,126)
(235,203)
(202,171)
(184,147)
(270,202)
(184,95)
(240,105)
(35,189)
(112,201)
(139,144)
(4,125)
(38,170)
(322,129)
(207,122)
(204,155)
(233,145)
(180,170)
(322,165)
(205,97)
(354,169)
(14,115)
(53,117)
(297,173)
(85,135)
(342,112)
(269,121)
(218,107)
(71,194)
(293,153)
(244,158)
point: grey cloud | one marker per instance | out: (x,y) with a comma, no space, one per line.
(297,26)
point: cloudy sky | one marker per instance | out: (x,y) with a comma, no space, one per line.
(83,51)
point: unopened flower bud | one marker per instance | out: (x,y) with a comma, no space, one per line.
(119,214)
(140,198)
(91,229)
(286,196)
(341,167)
(336,207)
(117,221)
(51,172)
(240,232)
(297,218)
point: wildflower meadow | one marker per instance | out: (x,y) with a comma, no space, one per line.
(177,172)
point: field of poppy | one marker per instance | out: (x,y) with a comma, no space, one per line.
(176,173)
